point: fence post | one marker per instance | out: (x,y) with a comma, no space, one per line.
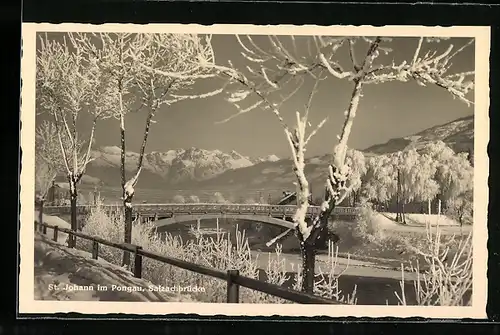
(71,240)
(137,263)
(95,250)
(44,229)
(233,289)
(56,231)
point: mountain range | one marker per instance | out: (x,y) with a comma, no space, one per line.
(196,168)
(172,167)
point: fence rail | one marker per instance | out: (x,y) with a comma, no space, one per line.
(232,277)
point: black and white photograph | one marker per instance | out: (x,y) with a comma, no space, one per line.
(220,170)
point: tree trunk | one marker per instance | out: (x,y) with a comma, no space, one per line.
(398,199)
(74,223)
(461,225)
(127,205)
(403,216)
(308,254)
(429,207)
(127,201)
(308,246)
(439,206)
(40,213)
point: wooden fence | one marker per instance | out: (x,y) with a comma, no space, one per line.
(232,277)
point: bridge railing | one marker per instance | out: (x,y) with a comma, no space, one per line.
(232,277)
(257,209)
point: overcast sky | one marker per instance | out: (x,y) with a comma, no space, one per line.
(386,111)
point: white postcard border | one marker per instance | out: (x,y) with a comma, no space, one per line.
(27,304)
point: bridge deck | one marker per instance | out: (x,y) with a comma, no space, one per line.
(193,209)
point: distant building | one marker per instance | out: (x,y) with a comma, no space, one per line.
(58,193)
(291,198)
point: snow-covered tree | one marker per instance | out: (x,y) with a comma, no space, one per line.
(425,187)
(381,184)
(48,162)
(129,60)
(257,85)
(405,175)
(68,86)
(415,177)
(461,208)
(454,172)
(356,161)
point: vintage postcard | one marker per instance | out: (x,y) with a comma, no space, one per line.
(221,170)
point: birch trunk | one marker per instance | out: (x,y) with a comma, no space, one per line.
(332,194)
(73,202)
(439,206)
(127,199)
(429,207)
(398,199)
(403,213)
(128,186)
(40,213)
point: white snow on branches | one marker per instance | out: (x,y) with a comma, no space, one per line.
(283,63)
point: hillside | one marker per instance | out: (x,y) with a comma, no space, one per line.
(458,134)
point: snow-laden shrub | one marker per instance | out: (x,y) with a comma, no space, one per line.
(443,271)
(218,198)
(367,227)
(364,229)
(179,199)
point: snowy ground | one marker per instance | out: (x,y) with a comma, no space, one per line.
(419,222)
(69,274)
(349,267)
(55,221)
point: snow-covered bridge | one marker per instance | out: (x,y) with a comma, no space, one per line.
(188,212)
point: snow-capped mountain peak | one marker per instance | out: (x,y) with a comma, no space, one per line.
(175,165)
